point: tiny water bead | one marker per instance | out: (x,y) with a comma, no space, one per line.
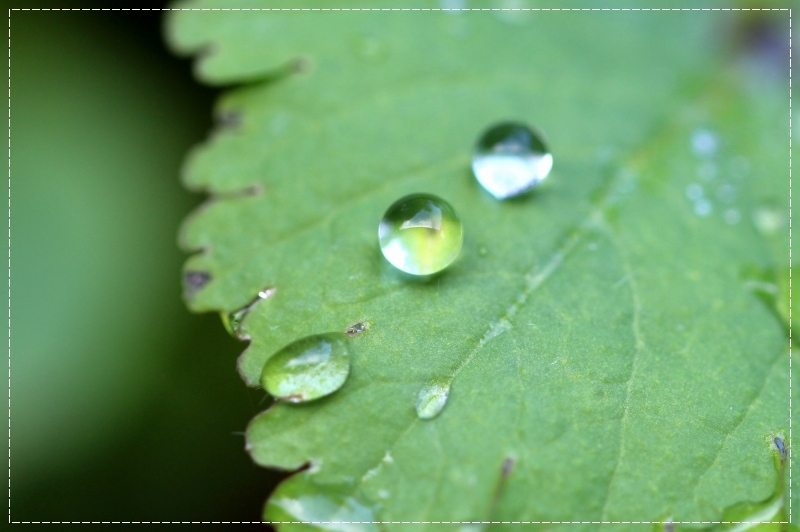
(432,398)
(232,321)
(420,234)
(510,159)
(307,369)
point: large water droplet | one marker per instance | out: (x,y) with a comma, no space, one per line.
(307,369)
(510,159)
(420,234)
(432,398)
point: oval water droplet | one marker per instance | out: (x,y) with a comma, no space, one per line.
(307,369)
(510,159)
(420,234)
(432,398)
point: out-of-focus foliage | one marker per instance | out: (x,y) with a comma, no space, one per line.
(112,416)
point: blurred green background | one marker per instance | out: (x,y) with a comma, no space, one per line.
(124,406)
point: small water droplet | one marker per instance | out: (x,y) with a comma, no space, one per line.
(694,192)
(769,219)
(592,246)
(732,217)
(702,207)
(482,251)
(383,494)
(233,320)
(420,234)
(357,328)
(432,398)
(510,159)
(497,328)
(704,143)
(307,369)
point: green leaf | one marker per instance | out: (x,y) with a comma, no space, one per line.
(608,350)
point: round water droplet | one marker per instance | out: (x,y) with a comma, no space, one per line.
(420,234)
(307,369)
(510,159)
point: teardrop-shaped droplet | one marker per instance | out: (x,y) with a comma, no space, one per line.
(420,234)
(432,398)
(232,321)
(307,369)
(510,159)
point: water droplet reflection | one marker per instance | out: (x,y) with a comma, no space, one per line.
(420,234)
(510,159)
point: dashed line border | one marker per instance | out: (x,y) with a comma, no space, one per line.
(404,522)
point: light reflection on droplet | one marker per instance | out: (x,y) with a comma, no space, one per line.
(510,159)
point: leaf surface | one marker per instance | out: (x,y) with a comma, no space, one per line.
(609,347)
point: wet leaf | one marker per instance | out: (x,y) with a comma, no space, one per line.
(604,352)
